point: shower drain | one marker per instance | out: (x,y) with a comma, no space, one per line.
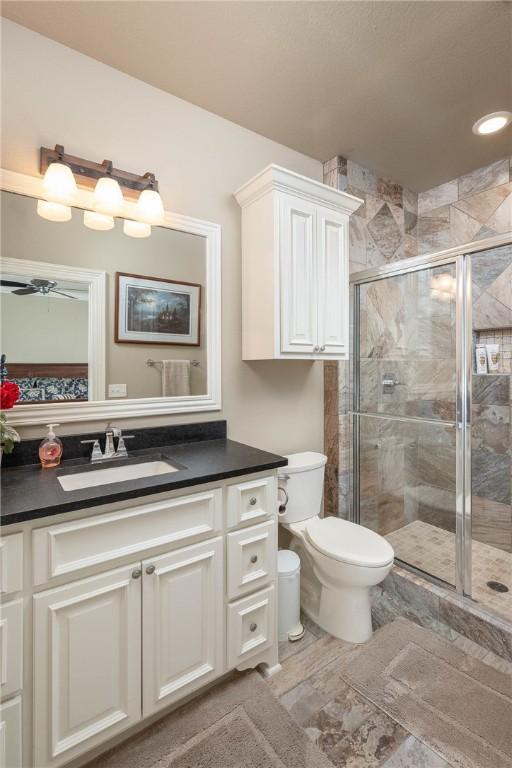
(497,586)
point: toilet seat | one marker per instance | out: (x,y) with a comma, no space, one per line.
(348,542)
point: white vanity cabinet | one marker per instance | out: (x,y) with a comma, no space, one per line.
(130,608)
(295,267)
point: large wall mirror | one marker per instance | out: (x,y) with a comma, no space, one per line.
(98,324)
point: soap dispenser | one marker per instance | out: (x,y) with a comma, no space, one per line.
(50,449)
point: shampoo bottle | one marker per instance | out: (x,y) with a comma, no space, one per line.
(50,450)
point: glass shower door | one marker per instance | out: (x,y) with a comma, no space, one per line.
(405,415)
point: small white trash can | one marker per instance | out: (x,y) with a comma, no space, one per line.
(288,570)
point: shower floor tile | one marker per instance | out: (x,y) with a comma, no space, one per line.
(432,550)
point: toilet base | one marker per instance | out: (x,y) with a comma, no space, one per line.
(346,613)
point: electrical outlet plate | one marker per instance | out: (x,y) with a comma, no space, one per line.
(117,390)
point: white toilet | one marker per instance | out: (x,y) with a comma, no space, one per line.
(340,560)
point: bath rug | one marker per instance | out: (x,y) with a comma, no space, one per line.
(453,702)
(236,724)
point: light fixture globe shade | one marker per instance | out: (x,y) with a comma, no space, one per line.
(98,221)
(53,211)
(136,228)
(108,198)
(59,184)
(150,208)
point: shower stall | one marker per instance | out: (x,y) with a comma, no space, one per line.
(431,437)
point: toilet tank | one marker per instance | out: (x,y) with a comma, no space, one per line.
(302,481)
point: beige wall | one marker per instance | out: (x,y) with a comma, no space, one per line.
(52,94)
(167,254)
(36,329)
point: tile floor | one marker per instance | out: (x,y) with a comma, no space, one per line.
(432,550)
(350,729)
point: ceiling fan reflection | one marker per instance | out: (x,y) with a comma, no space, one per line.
(44,287)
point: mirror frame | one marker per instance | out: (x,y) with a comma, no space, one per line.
(99,410)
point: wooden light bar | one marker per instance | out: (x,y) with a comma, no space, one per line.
(87,173)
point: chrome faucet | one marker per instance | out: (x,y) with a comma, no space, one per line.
(110,451)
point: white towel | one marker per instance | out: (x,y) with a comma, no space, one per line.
(175,378)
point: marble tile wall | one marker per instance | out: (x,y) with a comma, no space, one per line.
(472,207)
(491,455)
(383,229)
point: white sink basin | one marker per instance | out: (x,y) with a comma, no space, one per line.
(108,475)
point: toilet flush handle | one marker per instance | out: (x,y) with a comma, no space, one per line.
(282,506)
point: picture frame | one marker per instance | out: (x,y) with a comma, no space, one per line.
(154,310)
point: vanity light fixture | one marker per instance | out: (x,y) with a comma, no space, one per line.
(492,123)
(98,221)
(136,228)
(53,211)
(109,184)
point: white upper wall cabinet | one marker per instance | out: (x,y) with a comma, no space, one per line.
(295,271)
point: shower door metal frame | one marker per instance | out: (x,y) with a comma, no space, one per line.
(463,330)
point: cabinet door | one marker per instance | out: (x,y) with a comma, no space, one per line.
(333,283)
(10,734)
(87,673)
(297,228)
(183,622)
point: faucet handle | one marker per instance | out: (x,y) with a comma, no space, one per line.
(96,450)
(121,447)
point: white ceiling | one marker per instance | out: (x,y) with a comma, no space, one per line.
(395,86)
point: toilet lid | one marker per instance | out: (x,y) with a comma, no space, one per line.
(348,542)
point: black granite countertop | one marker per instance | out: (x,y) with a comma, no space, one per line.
(29,492)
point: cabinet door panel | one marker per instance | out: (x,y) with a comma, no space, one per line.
(10,734)
(87,674)
(11,648)
(297,275)
(333,290)
(183,622)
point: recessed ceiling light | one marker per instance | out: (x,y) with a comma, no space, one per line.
(492,123)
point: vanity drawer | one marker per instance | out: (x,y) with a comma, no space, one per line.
(10,734)
(251,501)
(11,647)
(11,563)
(69,547)
(251,625)
(251,558)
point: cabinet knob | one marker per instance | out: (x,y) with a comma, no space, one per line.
(253,501)
(253,627)
(150,569)
(322,348)
(137,573)
(315,348)
(254,559)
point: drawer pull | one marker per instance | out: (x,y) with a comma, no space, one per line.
(253,627)
(150,569)
(253,501)
(136,574)
(254,559)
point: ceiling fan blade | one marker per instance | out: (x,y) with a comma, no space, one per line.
(13,284)
(25,291)
(63,294)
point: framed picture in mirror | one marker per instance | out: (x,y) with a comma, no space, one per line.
(152,310)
